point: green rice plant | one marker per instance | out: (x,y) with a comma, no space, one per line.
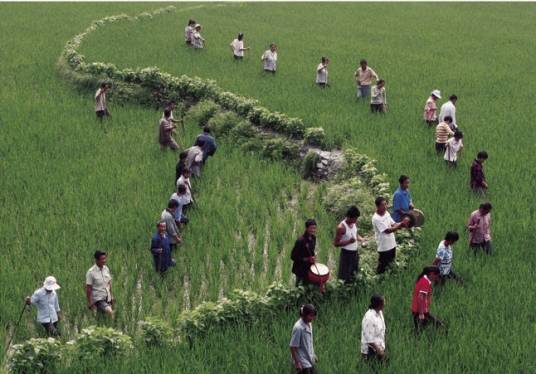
(95,343)
(37,355)
(203,112)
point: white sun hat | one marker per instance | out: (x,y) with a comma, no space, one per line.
(50,284)
(437,93)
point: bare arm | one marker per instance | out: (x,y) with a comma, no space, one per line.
(338,242)
(397,226)
(421,302)
(293,353)
(90,303)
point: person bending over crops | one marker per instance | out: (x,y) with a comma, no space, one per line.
(384,229)
(454,146)
(322,72)
(378,98)
(167,128)
(402,201)
(422,299)
(209,143)
(269,59)
(478,179)
(237,46)
(479,227)
(430,108)
(302,351)
(198,41)
(101,108)
(99,286)
(303,253)
(48,306)
(373,330)
(194,157)
(442,134)
(161,249)
(364,77)
(347,238)
(168,216)
(449,109)
(181,197)
(443,257)
(189,32)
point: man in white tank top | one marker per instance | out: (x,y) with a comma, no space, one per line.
(348,240)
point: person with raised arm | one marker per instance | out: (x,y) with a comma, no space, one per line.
(237,47)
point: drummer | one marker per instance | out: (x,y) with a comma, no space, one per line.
(303,253)
(347,238)
(402,201)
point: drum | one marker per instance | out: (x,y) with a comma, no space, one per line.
(318,274)
(416,218)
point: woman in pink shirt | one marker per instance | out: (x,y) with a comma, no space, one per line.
(430,108)
(479,227)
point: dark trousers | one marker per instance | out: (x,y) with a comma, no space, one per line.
(385,259)
(302,281)
(310,370)
(429,319)
(348,265)
(450,275)
(432,123)
(440,148)
(485,246)
(51,328)
(377,108)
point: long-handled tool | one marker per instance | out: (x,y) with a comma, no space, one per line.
(15,329)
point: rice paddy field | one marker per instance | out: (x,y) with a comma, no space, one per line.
(69,184)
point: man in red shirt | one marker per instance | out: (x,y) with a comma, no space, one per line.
(422,299)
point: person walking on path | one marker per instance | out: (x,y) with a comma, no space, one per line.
(449,109)
(364,77)
(198,42)
(101,108)
(269,59)
(237,46)
(302,352)
(442,134)
(478,179)
(181,197)
(402,200)
(303,253)
(347,238)
(422,299)
(99,286)
(189,32)
(378,98)
(209,143)
(167,128)
(322,73)
(384,229)
(479,226)
(48,307)
(161,249)
(444,256)
(373,330)
(168,216)
(430,108)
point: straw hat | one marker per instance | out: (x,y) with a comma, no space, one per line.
(50,284)
(436,93)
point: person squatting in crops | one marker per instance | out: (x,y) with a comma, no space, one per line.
(166,131)
(478,181)
(479,226)
(384,229)
(444,257)
(161,249)
(209,146)
(182,198)
(422,299)
(302,352)
(237,47)
(101,108)
(194,157)
(453,147)
(378,98)
(449,109)
(99,286)
(364,77)
(373,330)
(269,59)
(348,239)
(198,41)
(303,253)
(430,108)
(402,200)
(189,32)
(46,301)
(442,134)
(322,72)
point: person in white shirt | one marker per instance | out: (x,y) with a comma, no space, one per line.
(181,197)
(194,157)
(384,232)
(364,77)
(101,108)
(198,41)
(449,109)
(184,180)
(444,256)
(452,148)
(189,31)
(378,98)
(237,46)
(269,59)
(322,72)
(47,303)
(373,330)
(99,286)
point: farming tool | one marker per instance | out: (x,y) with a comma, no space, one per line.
(15,328)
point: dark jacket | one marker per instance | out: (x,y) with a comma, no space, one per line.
(477,175)
(209,148)
(304,247)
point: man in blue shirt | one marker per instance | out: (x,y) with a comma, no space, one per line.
(161,249)
(402,202)
(209,146)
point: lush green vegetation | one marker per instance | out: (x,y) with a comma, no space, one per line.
(69,185)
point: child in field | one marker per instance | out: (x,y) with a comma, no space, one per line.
(430,108)
(364,77)
(442,134)
(189,31)
(101,108)
(237,46)
(378,98)
(454,146)
(269,59)
(301,343)
(443,257)
(422,299)
(479,227)
(373,330)
(478,179)
(184,180)
(322,72)
(198,41)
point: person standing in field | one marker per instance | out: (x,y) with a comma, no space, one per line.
(384,229)
(99,286)
(454,146)
(402,201)
(171,105)
(189,31)
(364,77)
(48,307)
(479,226)
(430,108)
(161,249)
(184,180)
(209,143)
(373,330)
(422,299)
(442,134)
(168,217)
(101,108)
(269,59)
(183,199)
(194,157)
(378,98)
(347,238)
(302,351)
(444,256)
(198,41)
(303,253)
(237,46)
(167,129)
(449,109)
(478,179)
(322,72)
